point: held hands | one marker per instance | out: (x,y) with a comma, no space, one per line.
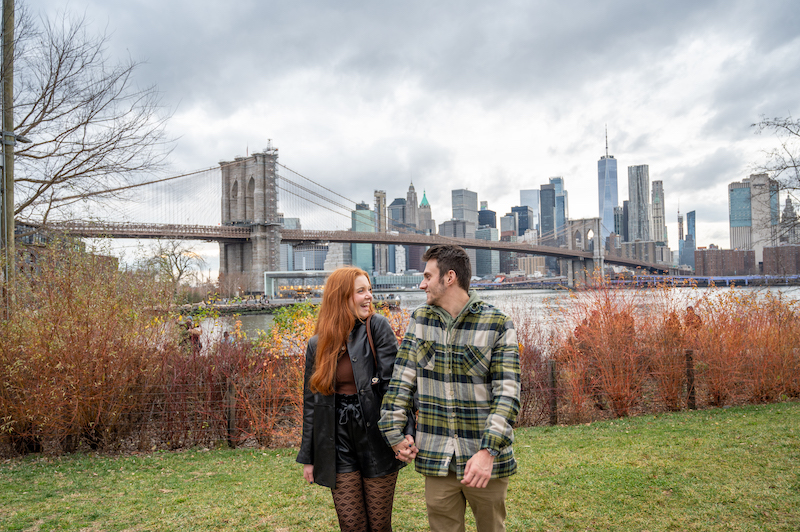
(478,470)
(406,450)
(308,473)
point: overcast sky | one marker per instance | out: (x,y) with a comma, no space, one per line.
(490,96)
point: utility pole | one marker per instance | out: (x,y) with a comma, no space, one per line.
(8,141)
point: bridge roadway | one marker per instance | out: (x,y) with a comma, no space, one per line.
(232,233)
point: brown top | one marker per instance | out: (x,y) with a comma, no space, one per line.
(345,381)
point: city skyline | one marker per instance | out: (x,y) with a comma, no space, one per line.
(490,98)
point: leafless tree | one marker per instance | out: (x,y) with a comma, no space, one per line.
(92,128)
(174,262)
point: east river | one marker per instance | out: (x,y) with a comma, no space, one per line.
(540,303)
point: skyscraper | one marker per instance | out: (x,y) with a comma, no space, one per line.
(465,205)
(487,261)
(690,244)
(525,219)
(412,218)
(659,215)
(547,198)
(607,192)
(381,250)
(639,206)
(363,220)
(562,209)
(530,198)
(754,214)
(426,222)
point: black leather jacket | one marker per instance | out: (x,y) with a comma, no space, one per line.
(319,411)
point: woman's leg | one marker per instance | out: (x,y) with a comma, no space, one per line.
(348,499)
(379,498)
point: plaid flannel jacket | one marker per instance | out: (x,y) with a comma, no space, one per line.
(467,379)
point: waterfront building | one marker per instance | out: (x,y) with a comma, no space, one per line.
(465,205)
(530,198)
(724,262)
(532,264)
(754,216)
(659,215)
(782,260)
(607,194)
(639,203)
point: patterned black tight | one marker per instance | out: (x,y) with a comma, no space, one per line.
(364,504)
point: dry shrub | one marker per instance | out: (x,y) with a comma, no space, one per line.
(604,350)
(78,351)
(535,386)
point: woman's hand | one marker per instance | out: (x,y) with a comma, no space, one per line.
(308,473)
(406,450)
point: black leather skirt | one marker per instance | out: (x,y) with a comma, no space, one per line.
(353,449)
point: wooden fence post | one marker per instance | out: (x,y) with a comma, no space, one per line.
(551,366)
(691,399)
(230,410)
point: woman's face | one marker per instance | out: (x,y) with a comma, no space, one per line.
(362,297)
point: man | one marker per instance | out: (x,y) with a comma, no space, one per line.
(460,359)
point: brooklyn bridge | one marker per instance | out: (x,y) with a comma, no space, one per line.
(251,227)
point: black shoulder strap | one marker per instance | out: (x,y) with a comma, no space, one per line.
(371,343)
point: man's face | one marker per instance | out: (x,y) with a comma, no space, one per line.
(432,283)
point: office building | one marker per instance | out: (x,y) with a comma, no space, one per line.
(639,203)
(381,250)
(363,220)
(461,229)
(754,215)
(525,219)
(607,193)
(487,261)
(659,214)
(530,198)
(427,225)
(621,222)
(412,216)
(562,209)
(724,262)
(547,199)
(465,205)
(788,233)
(486,217)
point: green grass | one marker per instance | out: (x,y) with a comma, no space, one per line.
(724,469)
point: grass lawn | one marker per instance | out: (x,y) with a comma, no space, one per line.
(723,469)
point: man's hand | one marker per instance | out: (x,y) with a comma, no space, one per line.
(478,470)
(406,450)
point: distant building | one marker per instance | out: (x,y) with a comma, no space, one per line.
(525,219)
(487,217)
(607,194)
(724,262)
(639,203)
(621,221)
(530,198)
(782,260)
(461,229)
(487,261)
(754,214)
(532,264)
(363,220)
(426,222)
(562,209)
(690,244)
(659,216)
(381,250)
(465,205)
(789,233)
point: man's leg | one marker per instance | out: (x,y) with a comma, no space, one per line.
(446,503)
(489,505)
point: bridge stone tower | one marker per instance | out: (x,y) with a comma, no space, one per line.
(250,199)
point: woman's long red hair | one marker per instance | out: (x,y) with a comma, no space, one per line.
(334,324)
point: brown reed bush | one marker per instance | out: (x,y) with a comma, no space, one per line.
(535,393)
(77,351)
(604,351)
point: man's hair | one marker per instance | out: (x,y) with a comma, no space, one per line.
(450,257)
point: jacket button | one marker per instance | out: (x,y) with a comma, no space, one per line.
(368,424)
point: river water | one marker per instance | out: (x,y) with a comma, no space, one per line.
(539,303)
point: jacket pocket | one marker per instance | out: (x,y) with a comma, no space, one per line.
(426,355)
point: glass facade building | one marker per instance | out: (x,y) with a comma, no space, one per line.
(607,193)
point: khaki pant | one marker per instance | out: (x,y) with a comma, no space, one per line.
(446,499)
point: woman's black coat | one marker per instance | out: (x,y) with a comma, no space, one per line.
(318,445)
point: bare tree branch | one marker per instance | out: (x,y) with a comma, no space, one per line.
(92,128)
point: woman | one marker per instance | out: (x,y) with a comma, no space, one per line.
(342,447)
